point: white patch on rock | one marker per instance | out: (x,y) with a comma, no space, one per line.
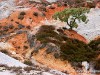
(5,46)
(46,73)
(51,1)
(92,28)
(7,60)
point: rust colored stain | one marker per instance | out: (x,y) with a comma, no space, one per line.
(73,34)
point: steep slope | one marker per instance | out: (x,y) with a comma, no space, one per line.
(33,19)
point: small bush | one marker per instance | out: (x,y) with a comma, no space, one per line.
(56,55)
(90,5)
(25,47)
(12,20)
(22,13)
(28,27)
(95,44)
(43,9)
(4,51)
(16,69)
(28,62)
(77,51)
(36,14)
(21,17)
(20,26)
(52,7)
(5,28)
(17,22)
(19,32)
(97,65)
(59,5)
(11,26)
(65,4)
(28,69)
(49,50)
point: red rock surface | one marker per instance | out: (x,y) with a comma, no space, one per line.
(74,35)
(31,20)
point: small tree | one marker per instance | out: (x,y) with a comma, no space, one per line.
(70,15)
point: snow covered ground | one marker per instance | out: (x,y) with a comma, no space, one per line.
(92,29)
(51,1)
(7,7)
(9,61)
(5,59)
(6,73)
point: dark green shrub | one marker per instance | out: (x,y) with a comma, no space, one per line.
(28,62)
(59,5)
(77,51)
(47,33)
(95,44)
(70,49)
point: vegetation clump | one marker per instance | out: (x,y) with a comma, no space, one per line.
(21,15)
(70,49)
(95,44)
(28,62)
(97,64)
(20,26)
(11,26)
(5,51)
(36,14)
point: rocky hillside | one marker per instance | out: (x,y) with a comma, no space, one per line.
(29,34)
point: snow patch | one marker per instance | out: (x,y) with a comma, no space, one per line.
(92,28)
(9,61)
